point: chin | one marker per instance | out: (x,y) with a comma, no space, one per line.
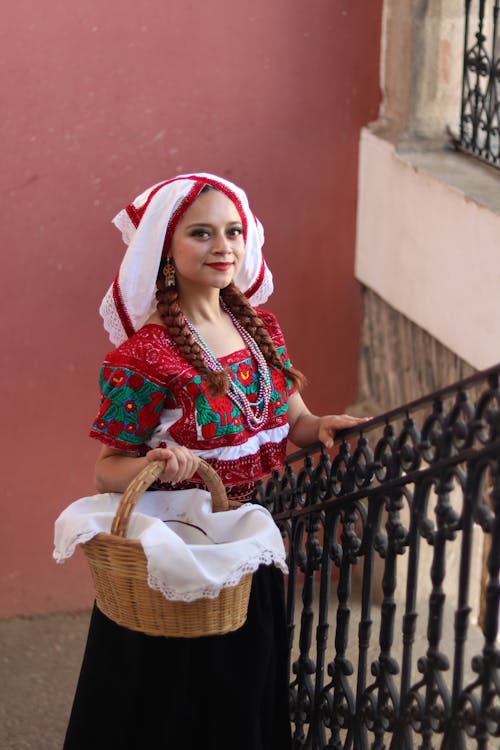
(223,281)
(223,284)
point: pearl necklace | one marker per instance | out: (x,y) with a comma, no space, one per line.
(256,413)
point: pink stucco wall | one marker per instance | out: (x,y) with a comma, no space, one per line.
(101,100)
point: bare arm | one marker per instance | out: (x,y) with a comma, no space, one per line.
(307,428)
(115,469)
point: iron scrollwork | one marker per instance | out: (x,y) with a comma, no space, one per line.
(480,108)
(381,534)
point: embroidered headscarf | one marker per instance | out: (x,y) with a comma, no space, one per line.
(147,226)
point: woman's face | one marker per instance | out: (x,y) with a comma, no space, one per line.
(207,245)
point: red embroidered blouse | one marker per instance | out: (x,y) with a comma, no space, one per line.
(152,396)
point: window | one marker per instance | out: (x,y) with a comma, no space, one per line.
(480,111)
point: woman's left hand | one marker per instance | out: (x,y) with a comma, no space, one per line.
(332,423)
(307,428)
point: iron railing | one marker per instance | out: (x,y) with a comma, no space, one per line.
(388,538)
(480,111)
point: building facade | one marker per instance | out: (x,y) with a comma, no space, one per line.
(102,100)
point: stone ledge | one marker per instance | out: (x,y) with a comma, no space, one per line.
(427,243)
(477,181)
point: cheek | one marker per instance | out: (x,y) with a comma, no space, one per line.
(238,261)
(186,255)
(239,254)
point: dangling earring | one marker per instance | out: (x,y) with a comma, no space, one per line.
(169,272)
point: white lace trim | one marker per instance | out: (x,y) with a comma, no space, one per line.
(264,291)
(265,557)
(123,222)
(139,267)
(62,554)
(111,320)
(251,447)
(191,552)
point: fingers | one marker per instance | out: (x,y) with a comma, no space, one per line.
(348,419)
(158,454)
(344,421)
(181,463)
(332,423)
(326,438)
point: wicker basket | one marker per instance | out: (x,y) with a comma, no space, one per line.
(119,572)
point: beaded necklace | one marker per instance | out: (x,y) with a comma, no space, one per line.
(256,413)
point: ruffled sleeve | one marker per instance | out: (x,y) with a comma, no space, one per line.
(131,406)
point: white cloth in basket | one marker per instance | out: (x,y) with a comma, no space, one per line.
(191,552)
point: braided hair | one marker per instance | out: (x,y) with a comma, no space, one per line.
(169,309)
(247,316)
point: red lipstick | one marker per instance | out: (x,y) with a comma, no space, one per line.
(220,266)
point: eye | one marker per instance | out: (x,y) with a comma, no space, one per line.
(235,231)
(200,232)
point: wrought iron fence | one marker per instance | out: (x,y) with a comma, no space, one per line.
(480,111)
(393,593)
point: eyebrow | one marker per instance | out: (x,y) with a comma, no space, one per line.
(206,224)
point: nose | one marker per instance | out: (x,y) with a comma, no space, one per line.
(222,244)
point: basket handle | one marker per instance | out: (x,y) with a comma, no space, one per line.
(148,475)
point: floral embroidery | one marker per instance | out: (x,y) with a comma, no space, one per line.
(218,417)
(151,396)
(131,406)
(135,381)
(214,416)
(117,378)
(115,428)
(245,374)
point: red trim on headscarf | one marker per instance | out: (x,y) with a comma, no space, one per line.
(136,214)
(258,281)
(121,309)
(133,214)
(179,213)
(227,191)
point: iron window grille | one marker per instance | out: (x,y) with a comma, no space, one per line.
(480,108)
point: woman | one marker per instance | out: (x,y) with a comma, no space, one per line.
(197,371)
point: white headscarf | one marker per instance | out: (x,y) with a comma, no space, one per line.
(147,226)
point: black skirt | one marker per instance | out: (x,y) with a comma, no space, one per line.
(140,692)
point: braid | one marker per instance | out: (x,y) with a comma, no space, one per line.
(246,315)
(167,304)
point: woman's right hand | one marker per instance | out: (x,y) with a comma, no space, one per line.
(180,463)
